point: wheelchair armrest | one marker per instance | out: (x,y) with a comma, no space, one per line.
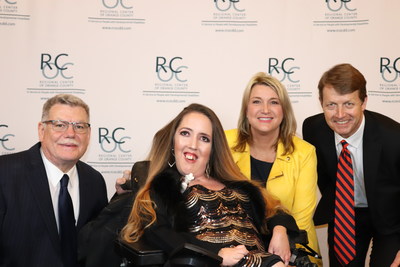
(192,255)
(301,238)
(140,254)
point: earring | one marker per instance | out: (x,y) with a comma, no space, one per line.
(208,170)
(171,164)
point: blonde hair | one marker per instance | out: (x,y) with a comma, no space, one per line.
(221,165)
(288,126)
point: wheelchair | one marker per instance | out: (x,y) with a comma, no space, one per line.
(301,255)
(189,255)
(140,254)
(100,244)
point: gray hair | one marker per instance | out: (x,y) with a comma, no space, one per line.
(64,99)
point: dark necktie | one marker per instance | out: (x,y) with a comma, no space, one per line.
(67,225)
(344,228)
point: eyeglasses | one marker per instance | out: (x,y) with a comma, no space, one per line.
(62,126)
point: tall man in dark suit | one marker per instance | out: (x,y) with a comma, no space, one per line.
(30,186)
(374,145)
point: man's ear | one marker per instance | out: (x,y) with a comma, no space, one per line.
(364,104)
(41,131)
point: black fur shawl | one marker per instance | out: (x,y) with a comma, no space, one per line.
(169,200)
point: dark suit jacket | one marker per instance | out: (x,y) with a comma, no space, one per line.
(381,155)
(96,239)
(28,228)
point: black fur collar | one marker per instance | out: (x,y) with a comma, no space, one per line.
(167,185)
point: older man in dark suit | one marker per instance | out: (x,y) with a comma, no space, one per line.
(46,193)
(366,182)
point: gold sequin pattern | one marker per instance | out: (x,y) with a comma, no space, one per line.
(222,217)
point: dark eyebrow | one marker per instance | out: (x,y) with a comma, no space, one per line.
(191,130)
(186,128)
(206,134)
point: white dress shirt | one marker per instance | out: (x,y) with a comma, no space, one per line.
(54,176)
(356,150)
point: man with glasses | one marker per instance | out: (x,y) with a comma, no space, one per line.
(358,154)
(46,193)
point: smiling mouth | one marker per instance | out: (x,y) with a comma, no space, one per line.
(342,122)
(190,156)
(265,119)
(69,144)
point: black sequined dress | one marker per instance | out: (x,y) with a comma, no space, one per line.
(222,217)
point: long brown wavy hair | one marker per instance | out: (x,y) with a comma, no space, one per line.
(221,164)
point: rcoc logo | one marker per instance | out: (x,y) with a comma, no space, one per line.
(166,71)
(225,5)
(10,2)
(51,69)
(115,3)
(109,143)
(281,70)
(5,138)
(337,5)
(390,72)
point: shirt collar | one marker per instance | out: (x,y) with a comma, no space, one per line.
(54,174)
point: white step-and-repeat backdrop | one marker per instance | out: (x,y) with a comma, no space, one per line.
(137,63)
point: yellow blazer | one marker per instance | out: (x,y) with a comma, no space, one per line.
(293,180)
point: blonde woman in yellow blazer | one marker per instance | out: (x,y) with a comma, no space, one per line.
(266,132)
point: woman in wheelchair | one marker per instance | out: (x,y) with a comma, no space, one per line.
(196,194)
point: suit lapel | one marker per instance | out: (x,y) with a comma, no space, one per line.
(84,192)
(328,151)
(242,159)
(40,187)
(279,164)
(371,150)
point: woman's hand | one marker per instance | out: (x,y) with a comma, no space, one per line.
(232,255)
(279,244)
(120,181)
(396,261)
